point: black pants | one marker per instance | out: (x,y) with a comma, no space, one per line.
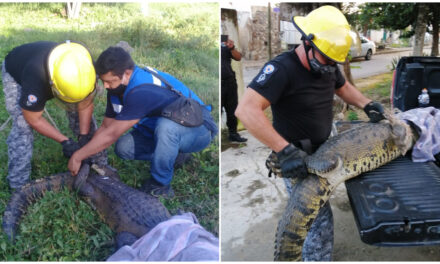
(229,101)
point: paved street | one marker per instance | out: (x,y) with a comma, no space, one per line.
(380,63)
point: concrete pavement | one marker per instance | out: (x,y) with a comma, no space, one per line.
(252,204)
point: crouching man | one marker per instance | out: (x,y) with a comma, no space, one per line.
(136,98)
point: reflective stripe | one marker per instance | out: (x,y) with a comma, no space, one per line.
(156,81)
(117,108)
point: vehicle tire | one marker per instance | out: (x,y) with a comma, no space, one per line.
(368,55)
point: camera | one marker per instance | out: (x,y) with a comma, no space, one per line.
(223,39)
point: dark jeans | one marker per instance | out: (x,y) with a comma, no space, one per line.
(229,101)
(162,149)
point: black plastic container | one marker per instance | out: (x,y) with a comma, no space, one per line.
(412,74)
(398,204)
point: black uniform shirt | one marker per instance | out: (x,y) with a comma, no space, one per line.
(301,103)
(226,71)
(27,64)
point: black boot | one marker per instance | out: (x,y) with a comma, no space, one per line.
(151,186)
(235,137)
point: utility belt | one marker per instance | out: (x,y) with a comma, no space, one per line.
(306,145)
(186,111)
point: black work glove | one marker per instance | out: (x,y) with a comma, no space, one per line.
(292,163)
(69,147)
(374,111)
(84,139)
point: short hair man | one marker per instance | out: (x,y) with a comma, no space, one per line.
(34,73)
(136,98)
(299,85)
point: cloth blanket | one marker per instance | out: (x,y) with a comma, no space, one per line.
(181,238)
(427,121)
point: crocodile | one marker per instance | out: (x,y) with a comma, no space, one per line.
(347,155)
(130,213)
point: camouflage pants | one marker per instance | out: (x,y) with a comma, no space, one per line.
(20,139)
(318,245)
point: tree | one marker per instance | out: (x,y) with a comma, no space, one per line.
(400,16)
(389,16)
(362,18)
(420,29)
(434,21)
(73,9)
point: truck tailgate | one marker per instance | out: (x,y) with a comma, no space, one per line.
(397,204)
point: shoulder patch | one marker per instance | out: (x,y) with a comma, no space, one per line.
(266,73)
(32,99)
(268,69)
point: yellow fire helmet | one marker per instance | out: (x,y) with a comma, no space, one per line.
(71,72)
(327,29)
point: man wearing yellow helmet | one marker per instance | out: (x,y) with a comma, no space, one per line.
(299,85)
(34,73)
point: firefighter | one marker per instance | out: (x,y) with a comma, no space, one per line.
(299,85)
(34,73)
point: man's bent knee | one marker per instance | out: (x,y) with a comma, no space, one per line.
(124,147)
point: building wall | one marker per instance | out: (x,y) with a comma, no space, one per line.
(253,27)
(229,26)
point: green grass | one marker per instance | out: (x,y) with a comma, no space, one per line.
(380,89)
(177,38)
(352,115)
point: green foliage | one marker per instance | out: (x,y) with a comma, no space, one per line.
(352,115)
(393,16)
(177,38)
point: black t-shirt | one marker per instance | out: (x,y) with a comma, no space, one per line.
(146,100)
(226,70)
(301,103)
(27,64)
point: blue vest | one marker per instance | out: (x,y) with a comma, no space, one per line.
(139,76)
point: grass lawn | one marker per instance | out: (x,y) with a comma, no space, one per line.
(178,38)
(377,88)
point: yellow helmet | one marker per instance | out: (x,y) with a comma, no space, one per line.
(330,32)
(71,71)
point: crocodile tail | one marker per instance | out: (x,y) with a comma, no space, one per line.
(307,198)
(27,195)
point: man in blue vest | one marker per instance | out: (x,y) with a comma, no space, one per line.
(136,98)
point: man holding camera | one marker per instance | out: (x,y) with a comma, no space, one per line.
(229,99)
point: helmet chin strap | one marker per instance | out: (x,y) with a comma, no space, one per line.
(316,67)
